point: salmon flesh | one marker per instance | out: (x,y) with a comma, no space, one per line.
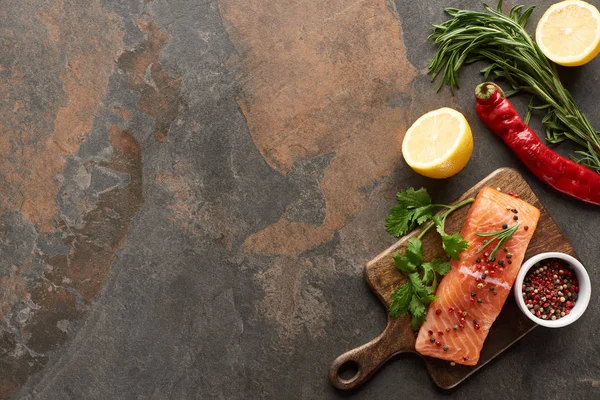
(476,291)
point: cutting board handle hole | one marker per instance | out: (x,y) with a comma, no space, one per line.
(348,371)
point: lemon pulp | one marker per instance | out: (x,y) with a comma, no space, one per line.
(569,33)
(439,144)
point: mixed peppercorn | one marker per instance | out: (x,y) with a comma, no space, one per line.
(550,289)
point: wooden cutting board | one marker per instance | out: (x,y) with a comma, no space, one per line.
(398,337)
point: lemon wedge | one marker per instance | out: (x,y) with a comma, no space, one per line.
(439,144)
(569,33)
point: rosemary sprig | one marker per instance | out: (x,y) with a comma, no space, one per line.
(501,236)
(512,54)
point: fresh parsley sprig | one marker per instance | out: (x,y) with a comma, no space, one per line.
(418,291)
(414,209)
(453,244)
(411,297)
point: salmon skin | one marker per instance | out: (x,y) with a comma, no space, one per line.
(468,291)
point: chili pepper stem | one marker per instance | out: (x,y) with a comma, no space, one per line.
(485,90)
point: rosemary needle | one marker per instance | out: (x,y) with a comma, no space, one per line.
(502,236)
(512,54)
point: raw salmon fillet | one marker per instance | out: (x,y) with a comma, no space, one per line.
(487,214)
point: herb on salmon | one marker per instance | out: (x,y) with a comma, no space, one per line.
(501,236)
(415,208)
(511,53)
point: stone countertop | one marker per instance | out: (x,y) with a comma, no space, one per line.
(191,189)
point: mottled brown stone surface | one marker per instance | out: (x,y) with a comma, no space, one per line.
(189,191)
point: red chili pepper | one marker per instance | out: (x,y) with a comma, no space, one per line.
(562,174)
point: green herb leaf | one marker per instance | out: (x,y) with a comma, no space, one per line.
(413,209)
(412,257)
(428,299)
(416,306)
(428,273)
(416,322)
(403,263)
(432,269)
(438,265)
(398,222)
(414,251)
(453,244)
(411,198)
(401,299)
(418,287)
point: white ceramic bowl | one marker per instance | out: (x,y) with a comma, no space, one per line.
(585,290)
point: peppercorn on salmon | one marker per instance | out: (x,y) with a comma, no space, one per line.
(472,294)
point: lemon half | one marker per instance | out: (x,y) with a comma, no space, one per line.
(569,33)
(439,144)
